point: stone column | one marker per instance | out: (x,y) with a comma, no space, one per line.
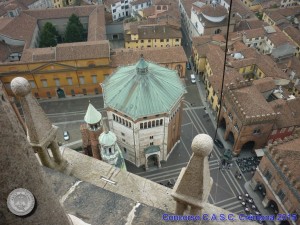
(194,182)
(41,134)
(20,169)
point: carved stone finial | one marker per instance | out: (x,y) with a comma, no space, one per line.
(20,86)
(193,185)
(202,145)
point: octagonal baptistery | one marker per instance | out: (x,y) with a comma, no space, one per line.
(144,109)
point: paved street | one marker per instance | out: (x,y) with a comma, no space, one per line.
(225,187)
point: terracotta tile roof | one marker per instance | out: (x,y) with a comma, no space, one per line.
(265,84)
(4,52)
(216,80)
(279,13)
(204,44)
(201,40)
(124,57)
(250,24)
(187,5)
(213,11)
(219,38)
(155,32)
(289,152)
(97,29)
(252,101)
(64,12)
(38,54)
(254,33)
(68,51)
(293,33)
(269,67)
(27,2)
(110,2)
(215,58)
(278,38)
(83,50)
(263,62)
(275,16)
(239,46)
(20,28)
(241,9)
(239,63)
(149,11)
(136,2)
(289,112)
(4,21)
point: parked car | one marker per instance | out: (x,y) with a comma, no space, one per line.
(218,143)
(66,136)
(193,79)
(188,66)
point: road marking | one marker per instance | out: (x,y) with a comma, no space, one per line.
(72,143)
(67,122)
(225,200)
(195,107)
(165,177)
(212,200)
(228,205)
(161,173)
(185,163)
(235,207)
(185,124)
(185,148)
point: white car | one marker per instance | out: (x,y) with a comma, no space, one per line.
(66,136)
(193,79)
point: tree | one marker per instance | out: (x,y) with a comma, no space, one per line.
(74,30)
(49,36)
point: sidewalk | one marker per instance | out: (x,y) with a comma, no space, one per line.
(257,200)
(209,111)
(69,98)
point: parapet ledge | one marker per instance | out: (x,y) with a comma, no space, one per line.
(131,186)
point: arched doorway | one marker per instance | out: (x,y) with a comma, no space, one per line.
(152,160)
(179,69)
(231,138)
(60,93)
(273,207)
(248,146)
(152,156)
(222,123)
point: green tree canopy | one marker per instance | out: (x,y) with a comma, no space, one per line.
(48,36)
(74,30)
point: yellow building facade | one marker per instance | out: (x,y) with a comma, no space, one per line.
(63,3)
(154,36)
(76,77)
(153,43)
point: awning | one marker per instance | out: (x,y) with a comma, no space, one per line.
(259,152)
(152,149)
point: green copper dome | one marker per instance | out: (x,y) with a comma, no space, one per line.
(143,89)
(107,138)
(92,115)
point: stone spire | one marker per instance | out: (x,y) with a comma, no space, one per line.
(41,134)
(194,182)
(20,169)
(92,116)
